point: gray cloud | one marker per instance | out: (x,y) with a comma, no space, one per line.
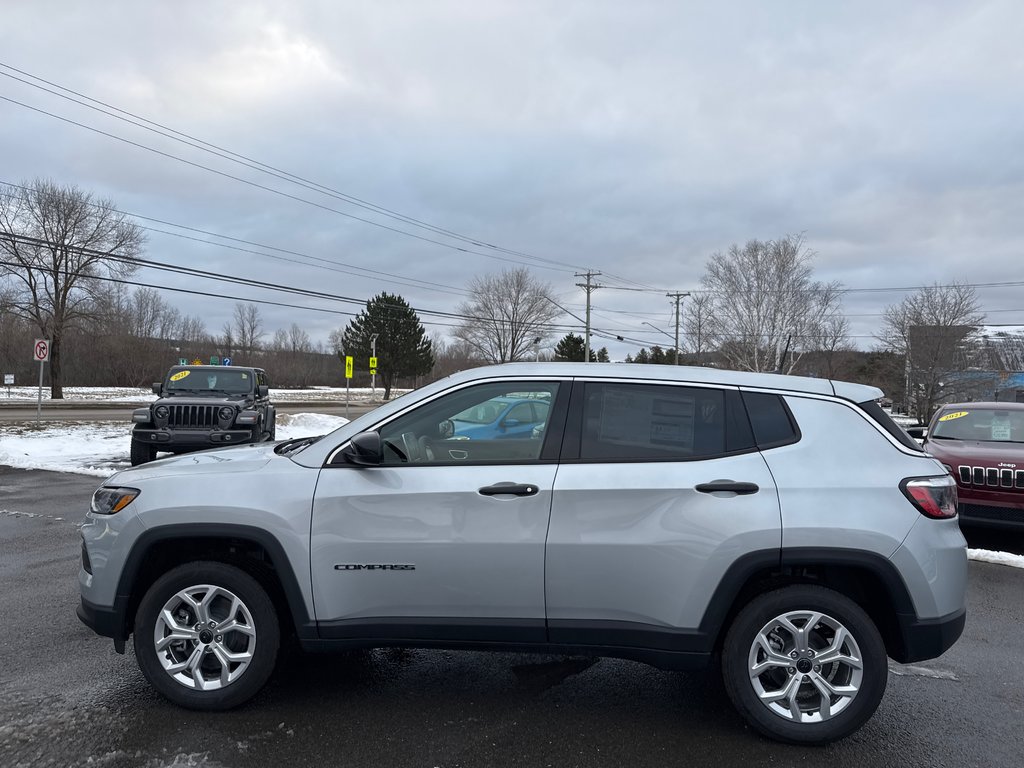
(635,139)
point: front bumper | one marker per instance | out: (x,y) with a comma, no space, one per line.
(192,439)
(106,622)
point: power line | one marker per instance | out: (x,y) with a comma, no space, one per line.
(278,192)
(248,162)
(231,279)
(410,282)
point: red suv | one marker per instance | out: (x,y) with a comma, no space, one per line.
(982,445)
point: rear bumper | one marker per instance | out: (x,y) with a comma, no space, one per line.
(928,638)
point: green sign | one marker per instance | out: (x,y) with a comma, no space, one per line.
(214,360)
(182,361)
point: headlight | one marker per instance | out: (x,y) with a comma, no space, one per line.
(161,411)
(226,413)
(108,501)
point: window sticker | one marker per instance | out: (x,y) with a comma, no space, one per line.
(245,376)
(640,419)
(955,415)
(180,375)
(1001,431)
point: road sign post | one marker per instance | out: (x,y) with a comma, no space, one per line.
(8,381)
(349,365)
(40,352)
(373,366)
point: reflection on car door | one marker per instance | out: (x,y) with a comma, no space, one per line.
(634,547)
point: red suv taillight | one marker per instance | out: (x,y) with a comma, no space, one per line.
(934,497)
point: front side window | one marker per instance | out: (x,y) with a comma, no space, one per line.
(495,422)
(650,421)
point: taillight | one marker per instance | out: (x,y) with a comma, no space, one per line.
(934,497)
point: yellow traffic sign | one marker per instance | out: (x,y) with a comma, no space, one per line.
(373,363)
(348,366)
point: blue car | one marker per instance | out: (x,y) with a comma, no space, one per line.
(500,418)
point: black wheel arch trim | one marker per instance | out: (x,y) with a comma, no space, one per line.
(305,627)
(918,638)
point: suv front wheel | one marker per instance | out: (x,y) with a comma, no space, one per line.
(804,664)
(206,636)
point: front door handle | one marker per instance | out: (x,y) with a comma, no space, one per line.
(510,489)
(730,486)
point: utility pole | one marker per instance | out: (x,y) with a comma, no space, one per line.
(589,287)
(678,296)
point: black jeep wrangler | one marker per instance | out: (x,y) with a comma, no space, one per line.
(204,406)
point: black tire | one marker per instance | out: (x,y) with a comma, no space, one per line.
(142,453)
(739,652)
(258,636)
(272,429)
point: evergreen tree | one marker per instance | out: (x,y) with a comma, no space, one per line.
(602,355)
(403,348)
(570,348)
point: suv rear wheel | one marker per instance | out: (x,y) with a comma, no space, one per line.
(206,636)
(804,664)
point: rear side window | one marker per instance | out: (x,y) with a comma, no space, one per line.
(650,421)
(874,410)
(770,419)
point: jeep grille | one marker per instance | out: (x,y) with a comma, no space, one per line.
(991,477)
(191,416)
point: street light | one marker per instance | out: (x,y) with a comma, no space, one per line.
(675,348)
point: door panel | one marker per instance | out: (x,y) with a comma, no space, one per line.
(636,542)
(472,556)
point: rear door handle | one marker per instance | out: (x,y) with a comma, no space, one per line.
(730,486)
(509,489)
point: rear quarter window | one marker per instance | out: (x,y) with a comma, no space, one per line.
(884,420)
(770,419)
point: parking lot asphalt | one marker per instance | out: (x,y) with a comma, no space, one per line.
(66,698)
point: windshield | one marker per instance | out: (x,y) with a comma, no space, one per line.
(984,424)
(216,381)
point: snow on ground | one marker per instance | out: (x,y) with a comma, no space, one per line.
(100,449)
(142,395)
(999,558)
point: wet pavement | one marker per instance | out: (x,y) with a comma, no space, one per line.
(67,699)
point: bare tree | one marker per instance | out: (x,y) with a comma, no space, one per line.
(247,328)
(933,330)
(697,325)
(765,308)
(507,312)
(56,241)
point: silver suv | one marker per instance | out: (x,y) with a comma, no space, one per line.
(784,527)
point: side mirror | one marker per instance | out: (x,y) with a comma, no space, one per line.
(508,423)
(364,450)
(157,387)
(263,390)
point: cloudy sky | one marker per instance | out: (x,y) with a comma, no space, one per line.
(631,138)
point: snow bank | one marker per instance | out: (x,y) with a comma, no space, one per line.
(102,448)
(999,558)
